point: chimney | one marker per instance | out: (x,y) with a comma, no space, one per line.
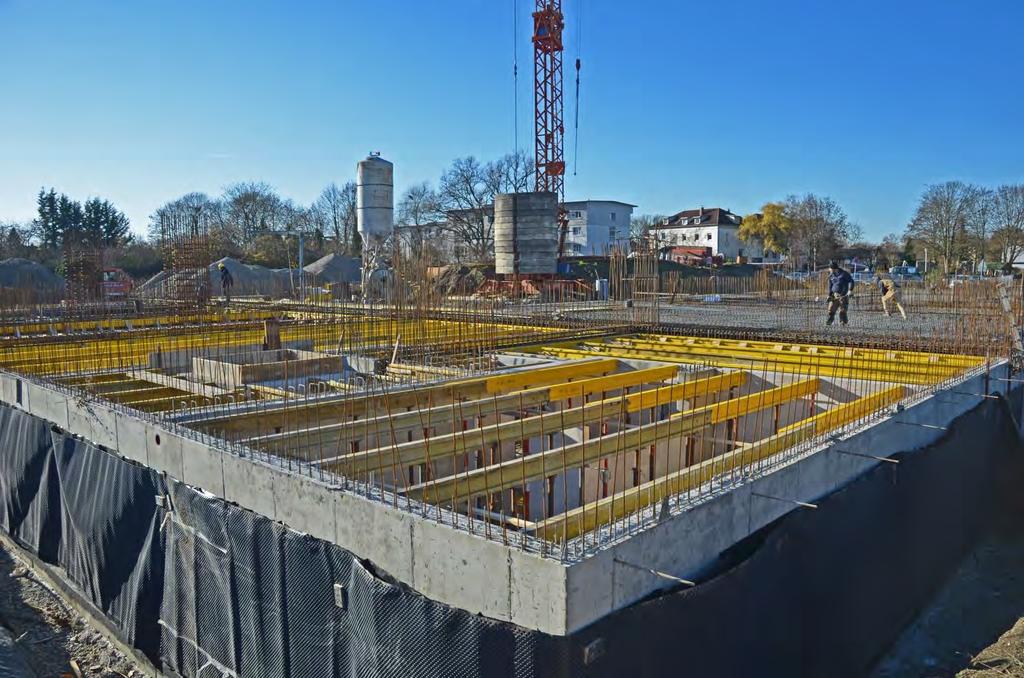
(702,211)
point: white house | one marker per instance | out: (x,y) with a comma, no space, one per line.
(595,226)
(712,227)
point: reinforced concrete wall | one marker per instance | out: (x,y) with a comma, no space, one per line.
(483,576)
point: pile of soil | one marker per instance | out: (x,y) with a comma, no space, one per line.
(24,274)
(462,280)
(335,268)
(249,279)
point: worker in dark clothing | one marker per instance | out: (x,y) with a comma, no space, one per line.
(840,289)
(226,282)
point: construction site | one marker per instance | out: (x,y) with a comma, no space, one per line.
(543,476)
(415,484)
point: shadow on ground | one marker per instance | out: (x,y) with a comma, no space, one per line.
(982,600)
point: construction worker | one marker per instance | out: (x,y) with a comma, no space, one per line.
(890,292)
(226,282)
(840,289)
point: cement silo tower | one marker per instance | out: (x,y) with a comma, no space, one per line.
(375,198)
(375,221)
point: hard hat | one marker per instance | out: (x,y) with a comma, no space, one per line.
(220,265)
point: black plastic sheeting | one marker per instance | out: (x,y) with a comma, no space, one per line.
(205,588)
(823,592)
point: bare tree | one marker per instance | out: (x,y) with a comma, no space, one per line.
(818,227)
(1008,221)
(466,194)
(418,210)
(641,228)
(336,210)
(943,219)
(195,211)
(467,199)
(253,208)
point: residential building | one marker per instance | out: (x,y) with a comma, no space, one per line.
(595,226)
(712,227)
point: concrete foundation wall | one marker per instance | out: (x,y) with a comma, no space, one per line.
(483,576)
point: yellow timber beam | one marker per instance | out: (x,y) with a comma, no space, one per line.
(419,451)
(614,507)
(822,369)
(509,474)
(430,417)
(315,412)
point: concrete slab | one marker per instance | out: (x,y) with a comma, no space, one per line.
(248,483)
(589,590)
(202,466)
(538,592)
(46,403)
(93,421)
(165,452)
(305,505)
(462,570)
(378,533)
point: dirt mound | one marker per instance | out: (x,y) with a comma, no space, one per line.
(335,268)
(25,274)
(459,280)
(249,279)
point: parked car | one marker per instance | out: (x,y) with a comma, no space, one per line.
(960,278)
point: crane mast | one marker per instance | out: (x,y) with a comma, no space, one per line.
(549,162)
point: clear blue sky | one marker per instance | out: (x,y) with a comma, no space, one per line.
(726,103)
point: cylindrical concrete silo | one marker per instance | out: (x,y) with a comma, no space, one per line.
(375,198)
(526,233)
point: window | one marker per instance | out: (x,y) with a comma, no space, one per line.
(613,216)
(577,215)
(708,236)
(576,230)
(577,248)
(611,233)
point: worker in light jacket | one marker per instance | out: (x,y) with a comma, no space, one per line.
(840,289)
(890,291)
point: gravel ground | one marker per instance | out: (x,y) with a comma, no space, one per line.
(54,640)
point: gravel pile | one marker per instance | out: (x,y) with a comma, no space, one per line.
(22,273)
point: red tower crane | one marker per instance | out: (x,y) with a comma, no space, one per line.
(548,24)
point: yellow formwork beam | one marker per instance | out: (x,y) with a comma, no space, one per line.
(488,406)
(420,451)
(614,507)
(516,472)
(847,413)
(63,355)
(818,350)
(817,368)
(879,365)
(316,413)
(510,474)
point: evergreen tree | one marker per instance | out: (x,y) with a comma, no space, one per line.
(46,226)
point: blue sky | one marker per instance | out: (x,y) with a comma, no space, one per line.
(728,103)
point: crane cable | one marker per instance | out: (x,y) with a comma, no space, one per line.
(515,75)
(576,122)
